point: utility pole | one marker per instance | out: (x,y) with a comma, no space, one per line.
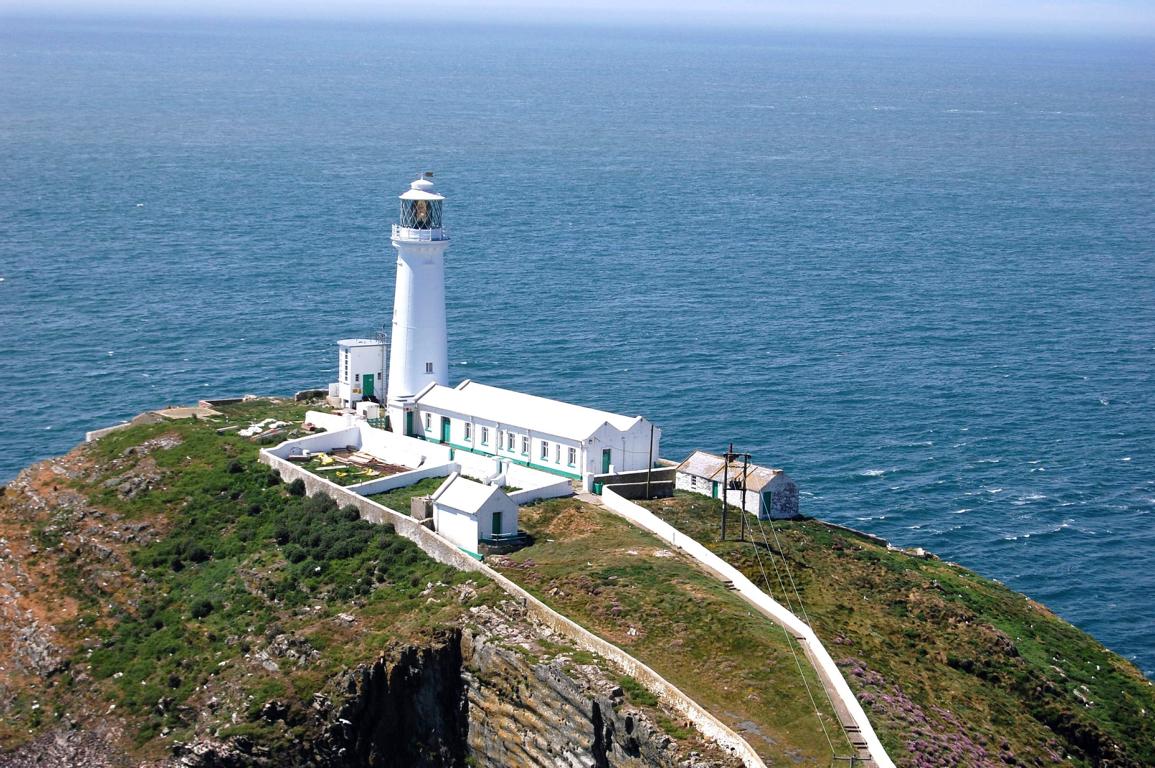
(730,456)
(745,473)
(650,461)
(725,485)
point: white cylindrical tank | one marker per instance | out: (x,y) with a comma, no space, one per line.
(419,354)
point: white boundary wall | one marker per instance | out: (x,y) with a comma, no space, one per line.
(429,459)
(401,479)
(445,552)
(828,671)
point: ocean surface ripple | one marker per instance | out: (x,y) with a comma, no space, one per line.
(918,274)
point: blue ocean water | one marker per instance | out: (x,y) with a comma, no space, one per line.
(919,274)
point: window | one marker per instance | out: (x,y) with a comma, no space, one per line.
(468,431)
(428,422)
(544,450)
(525,444)
(557,454)
(485,435)
(572,456)
(429,367)
(510,437)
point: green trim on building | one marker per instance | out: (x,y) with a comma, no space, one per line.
(519,462)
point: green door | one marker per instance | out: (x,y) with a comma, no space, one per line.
(607,454)
(409,423)
(714,490)
(496,523)
(445,429)
(367,385)
(765,511)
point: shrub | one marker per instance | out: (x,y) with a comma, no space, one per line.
(236,467)
(201,608)
(350,513)
(295,554)
(320,504)
(195,553)
(273,478)
(297,487)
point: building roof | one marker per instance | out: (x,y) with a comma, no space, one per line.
(701,464)
(711,467)
(757,477)
(464,494)
(360,343)
(505,406)
(422,189)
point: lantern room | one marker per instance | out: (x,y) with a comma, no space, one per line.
(421,210)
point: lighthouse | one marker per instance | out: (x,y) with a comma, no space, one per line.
(419,352)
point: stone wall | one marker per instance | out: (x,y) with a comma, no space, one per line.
(444,552)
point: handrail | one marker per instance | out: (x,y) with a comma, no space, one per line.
(419,235)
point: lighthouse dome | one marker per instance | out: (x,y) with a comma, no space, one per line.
(421,208)
(421,189)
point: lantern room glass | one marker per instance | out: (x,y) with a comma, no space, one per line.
(421,214)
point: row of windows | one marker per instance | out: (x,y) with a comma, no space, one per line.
(511,442)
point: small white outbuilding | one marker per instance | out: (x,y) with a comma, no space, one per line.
(768,493)
(360,372)
(467,512)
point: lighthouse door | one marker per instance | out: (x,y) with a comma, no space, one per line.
(367,385)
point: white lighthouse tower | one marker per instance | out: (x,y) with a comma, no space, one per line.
(419,354)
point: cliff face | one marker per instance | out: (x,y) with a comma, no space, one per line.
(478,696)
(556,713)
(411,710)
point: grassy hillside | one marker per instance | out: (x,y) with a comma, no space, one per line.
(182,577)
(628,587)
(953,669)
(164,578)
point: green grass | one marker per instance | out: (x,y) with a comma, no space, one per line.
(635,693)
(398,500)
(941,657)
(609,576)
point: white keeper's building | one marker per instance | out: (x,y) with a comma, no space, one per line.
(536,432)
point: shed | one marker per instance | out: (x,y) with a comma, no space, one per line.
(360,372)
(769,493)
(468,512)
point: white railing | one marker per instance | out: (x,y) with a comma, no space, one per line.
(427,235)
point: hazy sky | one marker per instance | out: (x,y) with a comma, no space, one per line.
(1132,17)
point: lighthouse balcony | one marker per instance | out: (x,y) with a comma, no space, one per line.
(415,234)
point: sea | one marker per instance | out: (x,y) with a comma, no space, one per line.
(916,272)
